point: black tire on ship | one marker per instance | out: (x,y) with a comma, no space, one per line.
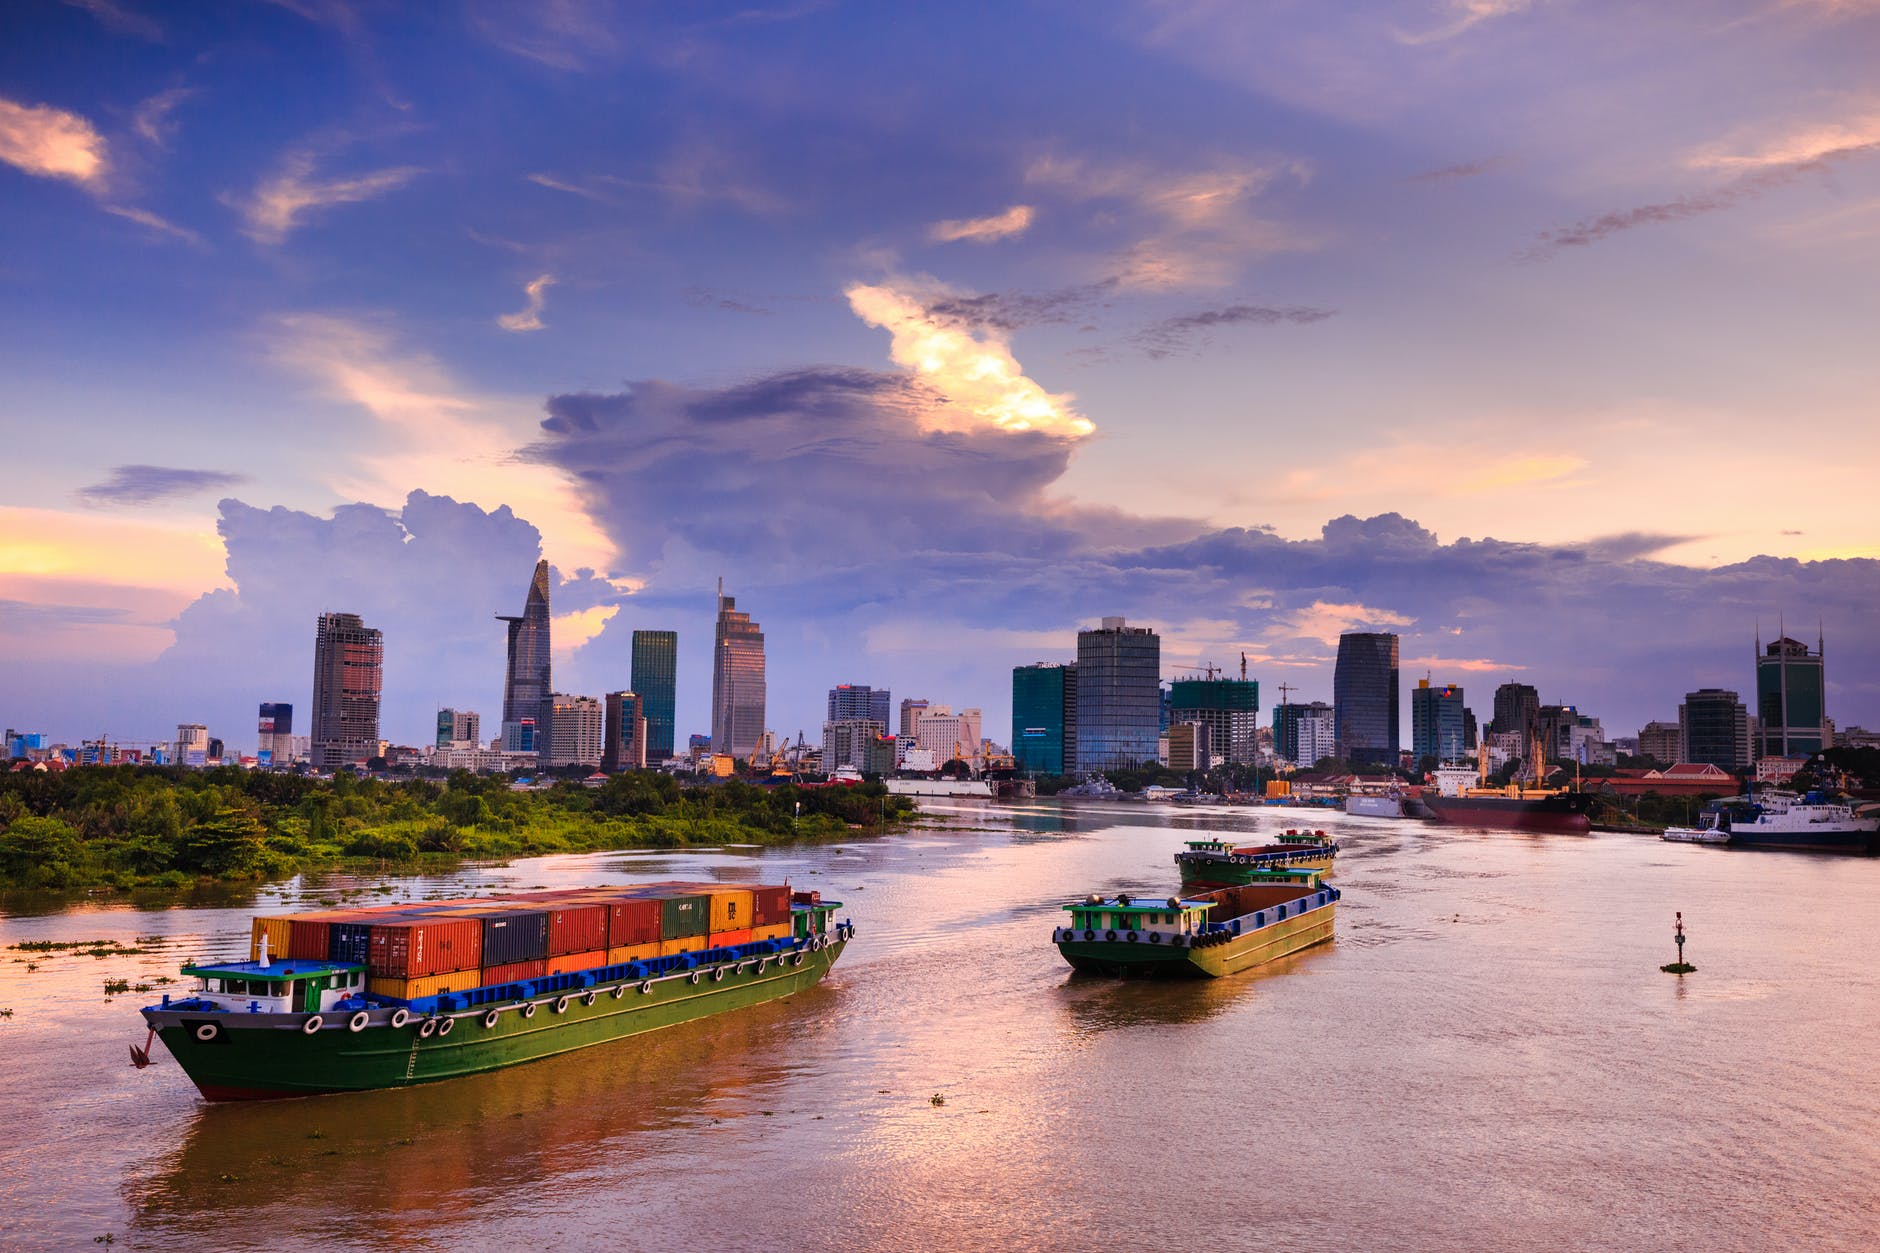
(646,987)
(693,978)
(443,1027)
(1131,937)
(796,959)
(620,990)
(1110,936)
(561,1005)
(588,998)
(427,1028)
(489,1019)
(208,1031)
(400,1017)
(1090,935)
(358,1021)
(528,1011)
(718,975)
(312,1025)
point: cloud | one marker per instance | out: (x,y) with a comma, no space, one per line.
(144,217)
(705,298)
(152,118)
(51,143)
(560,34)
(1450,173)
(120,20)
(1012,222)
(1831,141)
(279,204)
(975,375)
(529,318)
(1465,15)
(149,485)
(1012,311)
(1175,335)
(570,632)
(1325,622)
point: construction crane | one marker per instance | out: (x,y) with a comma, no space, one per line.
(1285,693)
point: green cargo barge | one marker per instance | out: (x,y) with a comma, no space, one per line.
(262,1029)
(1207,935)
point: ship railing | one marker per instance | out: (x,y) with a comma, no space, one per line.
(544,986)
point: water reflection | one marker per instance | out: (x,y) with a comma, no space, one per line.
(1094,1003)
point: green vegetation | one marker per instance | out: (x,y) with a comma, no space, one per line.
(128,826)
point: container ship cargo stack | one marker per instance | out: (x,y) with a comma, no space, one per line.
(388,996)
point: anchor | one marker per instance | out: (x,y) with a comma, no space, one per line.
(140,1057)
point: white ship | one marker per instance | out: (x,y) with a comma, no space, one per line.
(1810,823)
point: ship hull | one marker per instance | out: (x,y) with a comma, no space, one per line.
(1375,806)
(1568,812)
(1255,947)
(1843,840)
(268,1056)
(1203,872)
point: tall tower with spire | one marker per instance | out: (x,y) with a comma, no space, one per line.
(528,686)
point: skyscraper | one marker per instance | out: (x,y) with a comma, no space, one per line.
(1119,696)
(1713,729)
(1044,717)
(1791,713)
(1438,722)
(1229,708)
(528,686)
(1314,734)
(276,729)
(625,740)
(850,701)
(1365,698)
(458,728)
(656,681)
(1517,705)
(348,671)
(576,732)
(911,710)
(737,680)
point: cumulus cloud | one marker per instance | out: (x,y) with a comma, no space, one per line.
(1012,222)
(1172,336)
(280,204)
(149,485)
(973,373)
(529,317)
(51,143)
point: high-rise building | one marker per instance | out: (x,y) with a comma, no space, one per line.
(1365,698)
(528,682)
(1553,727)
(656,681)
(625,742)
(1517,705)
(948,735)
(1119,696)
(1188,747)
(275,727)
(853,742)
(192,744)
(1662,742)
(458,728)
(1713,729)
(1438,722)
(737,680)
(1791,699)
(911,710)
(1314,732)
(1044,717)
(1229,708)
(850,701)
(348,672)
(578,732)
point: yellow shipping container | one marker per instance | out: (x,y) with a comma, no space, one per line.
(687,944)
(633,953)
(731,909)
(776,931)
(276,931)
(430,985)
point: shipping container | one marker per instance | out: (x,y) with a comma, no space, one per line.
(776,931)
(731,909)
(633,953)
(512,972)
(412,948)
(308,938)
(570,963)
(514,936)
(634,922)
(727,939)
(770,905)
(349,941)
(430,985)
(276,929)
(682,916)
(806,898)
(577,929)
(685,944)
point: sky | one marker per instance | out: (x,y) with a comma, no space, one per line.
(1538,331)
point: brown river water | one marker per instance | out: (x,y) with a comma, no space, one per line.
(1487,1056)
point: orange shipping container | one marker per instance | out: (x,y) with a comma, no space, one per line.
(685,944)
(633,953)
(414,948)
(570,963)
(431,985)
(276,929)
(726,939)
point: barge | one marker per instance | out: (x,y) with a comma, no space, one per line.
(1204,935)
(1214,863)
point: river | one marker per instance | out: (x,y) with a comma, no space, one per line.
(1486,1056)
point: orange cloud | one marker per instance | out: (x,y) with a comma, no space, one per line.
(51,143)
(1014,221)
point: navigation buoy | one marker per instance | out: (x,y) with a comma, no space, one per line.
(1680,966)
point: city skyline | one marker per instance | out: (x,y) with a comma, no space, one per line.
(1248,352)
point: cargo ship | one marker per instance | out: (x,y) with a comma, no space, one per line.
(1203,935)
(1463,798)
(1214,863)
(355,1000)
(1811,823)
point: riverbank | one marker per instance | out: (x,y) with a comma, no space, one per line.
(126,828)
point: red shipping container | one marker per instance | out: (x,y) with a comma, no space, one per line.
(414,948)
(307,939)
(634,922)
(514,972)
(770,905)
(726,939)
(806,898)
(577,929)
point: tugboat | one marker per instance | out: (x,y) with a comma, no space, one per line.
(1809,823)
(366,1013)
(1206,935)
(1214,863)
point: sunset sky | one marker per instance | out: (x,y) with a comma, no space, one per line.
(1541,332)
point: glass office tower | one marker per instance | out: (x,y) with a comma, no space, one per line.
(1365,700)
(1119,696)
(656,682)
